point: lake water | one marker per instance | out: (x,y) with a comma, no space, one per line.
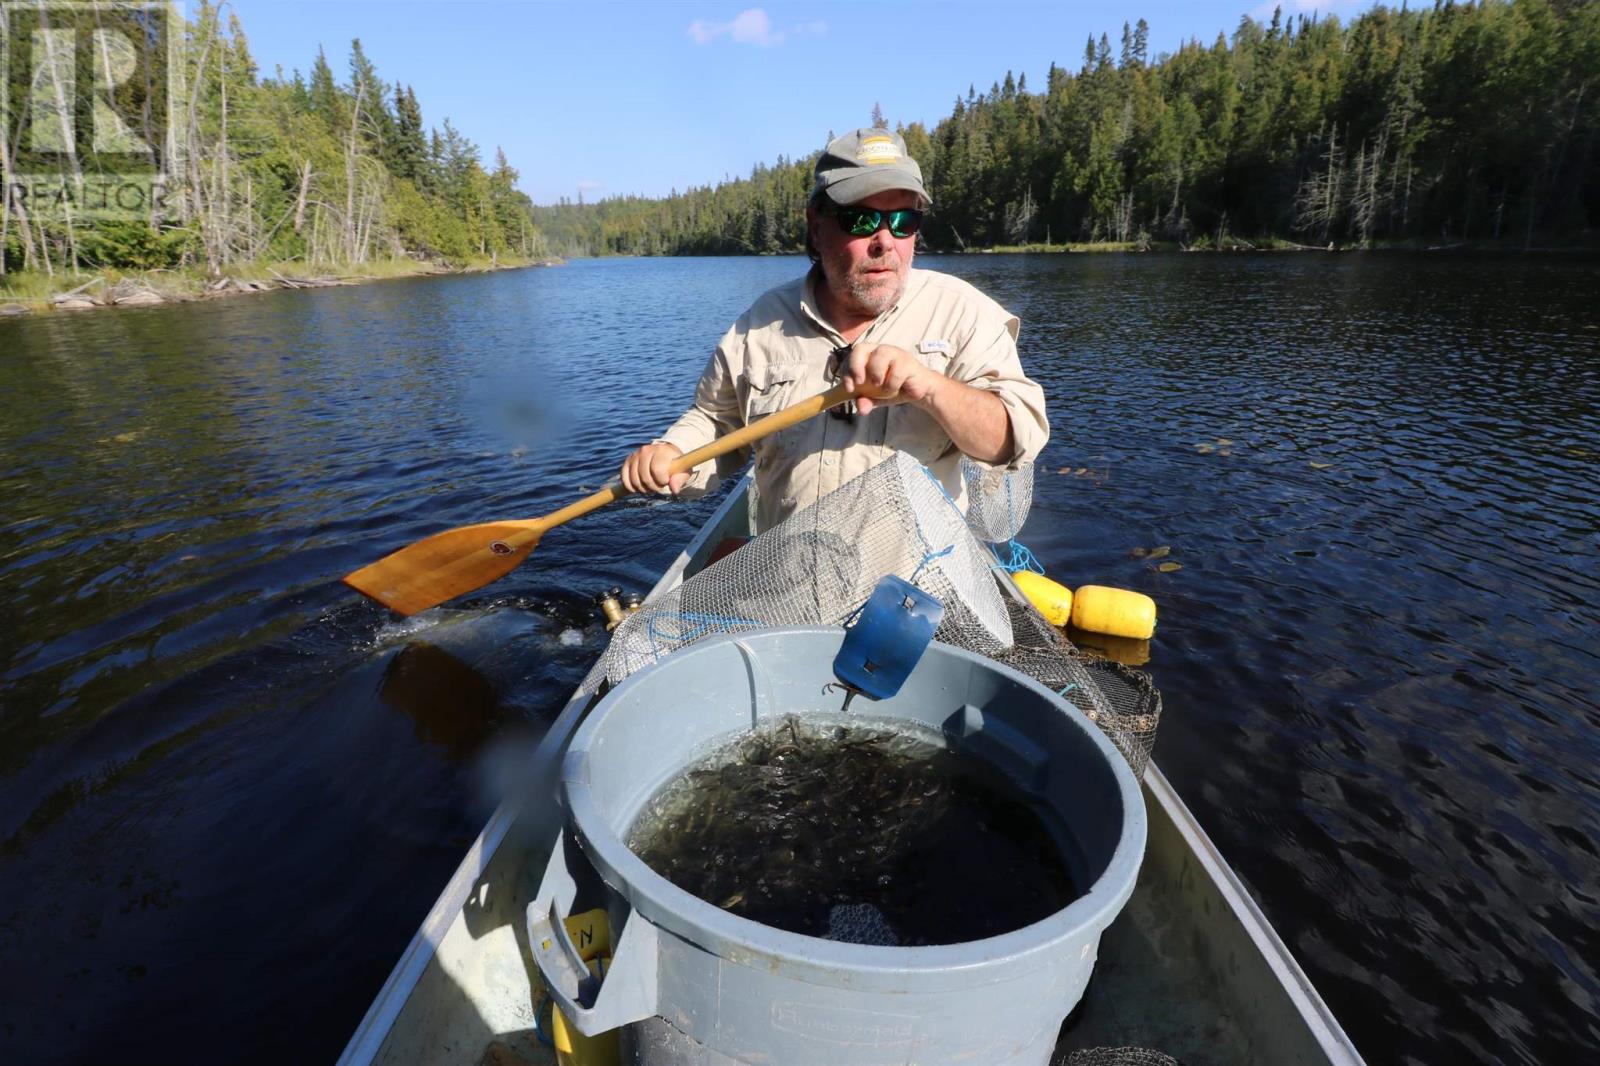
(227,797)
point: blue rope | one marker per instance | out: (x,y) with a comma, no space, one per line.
(704,622)
(951,500)
(1020,558)
(930,557)
(930,554)
(543,1024)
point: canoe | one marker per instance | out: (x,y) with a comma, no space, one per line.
(1191,968)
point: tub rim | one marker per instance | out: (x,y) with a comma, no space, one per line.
(747,942)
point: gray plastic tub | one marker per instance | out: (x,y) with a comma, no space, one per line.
(695,984)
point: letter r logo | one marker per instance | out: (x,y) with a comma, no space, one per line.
(53,92)
(84,84)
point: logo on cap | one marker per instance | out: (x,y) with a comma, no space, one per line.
(877,150)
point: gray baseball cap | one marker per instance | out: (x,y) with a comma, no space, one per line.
(865,162)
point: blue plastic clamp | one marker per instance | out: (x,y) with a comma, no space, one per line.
(888,638)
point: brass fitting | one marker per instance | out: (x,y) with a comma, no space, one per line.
(611,607)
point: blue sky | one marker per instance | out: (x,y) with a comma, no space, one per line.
(647,97)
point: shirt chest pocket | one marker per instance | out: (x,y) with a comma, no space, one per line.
(936,359)
(912,430)
(771,389)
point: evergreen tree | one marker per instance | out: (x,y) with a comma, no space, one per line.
(408,157)
(1447,122)
(327,103)
(1475,121)
(378,124)
(290,167)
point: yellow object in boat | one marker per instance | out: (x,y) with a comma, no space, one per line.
(591,933)
(1117,612)
(1053,599)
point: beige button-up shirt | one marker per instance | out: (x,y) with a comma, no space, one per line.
(780,352)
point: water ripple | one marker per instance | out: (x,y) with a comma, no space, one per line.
(1378,657)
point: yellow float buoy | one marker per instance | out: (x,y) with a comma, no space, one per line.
(1116,612)
(1052,599)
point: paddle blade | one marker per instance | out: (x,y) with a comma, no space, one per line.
(445,565)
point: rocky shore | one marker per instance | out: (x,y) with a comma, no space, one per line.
(151,289)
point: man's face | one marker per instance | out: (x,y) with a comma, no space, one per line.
(866,275)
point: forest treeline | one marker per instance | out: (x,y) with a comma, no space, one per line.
(316,169)
(1450,123)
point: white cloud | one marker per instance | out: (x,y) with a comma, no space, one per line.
(748,27)
(751,26)
(589,186)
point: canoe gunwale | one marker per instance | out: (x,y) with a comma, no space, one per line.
(368,1042)
(1324,1027)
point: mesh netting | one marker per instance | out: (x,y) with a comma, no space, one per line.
(1119,1056)
(1124,703)
(819,566)
(998,500)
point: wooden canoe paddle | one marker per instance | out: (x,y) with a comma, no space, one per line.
(457,561)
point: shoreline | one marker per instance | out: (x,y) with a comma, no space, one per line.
(43,294)
(1232,245)
(1278,244)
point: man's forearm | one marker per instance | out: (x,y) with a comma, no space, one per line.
(975,419)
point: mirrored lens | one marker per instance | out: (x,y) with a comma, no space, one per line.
(905,221)
(864,221)
(861,222)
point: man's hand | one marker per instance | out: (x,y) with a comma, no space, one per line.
(650,470)
(884,374)
(976,419)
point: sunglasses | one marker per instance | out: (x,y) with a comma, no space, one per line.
(865,221)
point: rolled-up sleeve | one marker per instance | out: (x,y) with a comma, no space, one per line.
(989,361)
(716,411)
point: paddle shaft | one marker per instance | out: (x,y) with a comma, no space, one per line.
(723,445)
(445,565)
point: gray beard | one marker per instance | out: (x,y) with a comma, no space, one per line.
(875,299)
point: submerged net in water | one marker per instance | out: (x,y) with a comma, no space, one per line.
(819,566)
(1120,1056)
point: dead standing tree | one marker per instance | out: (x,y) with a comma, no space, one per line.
(212,206)
(1369,195)
(366,179)
(352,151)
(1318,201)
(193,212)
(55,119)
(300,197)
(1019,216)
(13,203)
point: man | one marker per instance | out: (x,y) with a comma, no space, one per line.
(931,361)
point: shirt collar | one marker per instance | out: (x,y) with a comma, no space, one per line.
(812,309)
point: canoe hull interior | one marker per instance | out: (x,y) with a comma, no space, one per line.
(1190,968)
